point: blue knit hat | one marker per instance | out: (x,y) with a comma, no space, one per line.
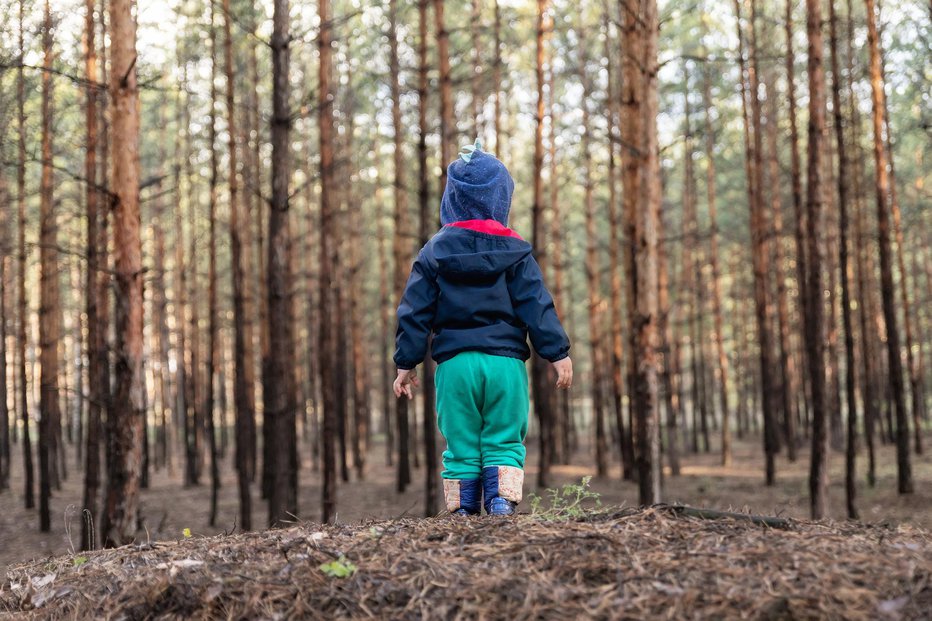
(478,188)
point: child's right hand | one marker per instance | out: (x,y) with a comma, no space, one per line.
(564,369)
(406,380)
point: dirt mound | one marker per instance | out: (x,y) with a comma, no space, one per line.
(649,563)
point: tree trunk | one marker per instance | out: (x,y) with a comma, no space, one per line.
(540,386)
(385,315)
(668,348)
(427,219)
(328,302)
(213,345)
(845,263)
(614,259)
(28,470)
(127,408)
(642,199)
(799,214)
(593,277)
(904,470)
(400,246)
(717,332)
(447,122)
(497,79)
(913,360)
(759,253)
(4,287)
(49,328)
(787,366)
(278,367)
(814,318)
(244,397)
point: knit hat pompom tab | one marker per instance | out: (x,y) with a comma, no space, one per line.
(479,187)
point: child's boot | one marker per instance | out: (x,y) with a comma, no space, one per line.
(463,496)
(502,487)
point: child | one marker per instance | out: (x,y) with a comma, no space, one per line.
(477,290)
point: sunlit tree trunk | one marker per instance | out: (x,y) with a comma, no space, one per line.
(882,187)
(127,409)
(279,369)
(5,228)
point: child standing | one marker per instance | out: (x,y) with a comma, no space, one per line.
(477,290)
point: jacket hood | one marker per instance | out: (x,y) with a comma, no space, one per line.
(465,253)
(478,189)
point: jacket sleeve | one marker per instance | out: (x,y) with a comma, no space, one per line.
(534,306)
(416,313)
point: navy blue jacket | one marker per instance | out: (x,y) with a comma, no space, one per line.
(475,286)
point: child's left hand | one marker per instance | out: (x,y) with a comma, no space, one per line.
(405,383)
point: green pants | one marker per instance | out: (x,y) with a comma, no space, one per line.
(482,411)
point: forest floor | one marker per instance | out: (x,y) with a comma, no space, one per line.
(614,564)
(169,508)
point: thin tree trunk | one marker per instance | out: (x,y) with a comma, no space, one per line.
(213,345)
(127,408)
(385,314)
(642,199)
(328,302)
(814,319)
(543,395)
(614,259)
(668,348)
(278,368)
(497,79)
(244,384)
(400,246)
(432,484)
(845,263)
(4,287)
(913,360)
(48,291)
(447,122)
(869,350)
(882,184)
(759,254)
(593,277)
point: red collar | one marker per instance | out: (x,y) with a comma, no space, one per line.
(492,227)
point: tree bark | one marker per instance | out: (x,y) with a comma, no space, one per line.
(213,338)
(4,287)
(28,469)
(614,259)
(882,188)
(328,301)
(845,263)
(447,122)
(127,408)
(814,319)
(244,397)
(49,328)
(718,331)
(427,219)
(543,394)
(400,246)
(641,171)
(278,367)
(593,276)
(787,367)
(759,254)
